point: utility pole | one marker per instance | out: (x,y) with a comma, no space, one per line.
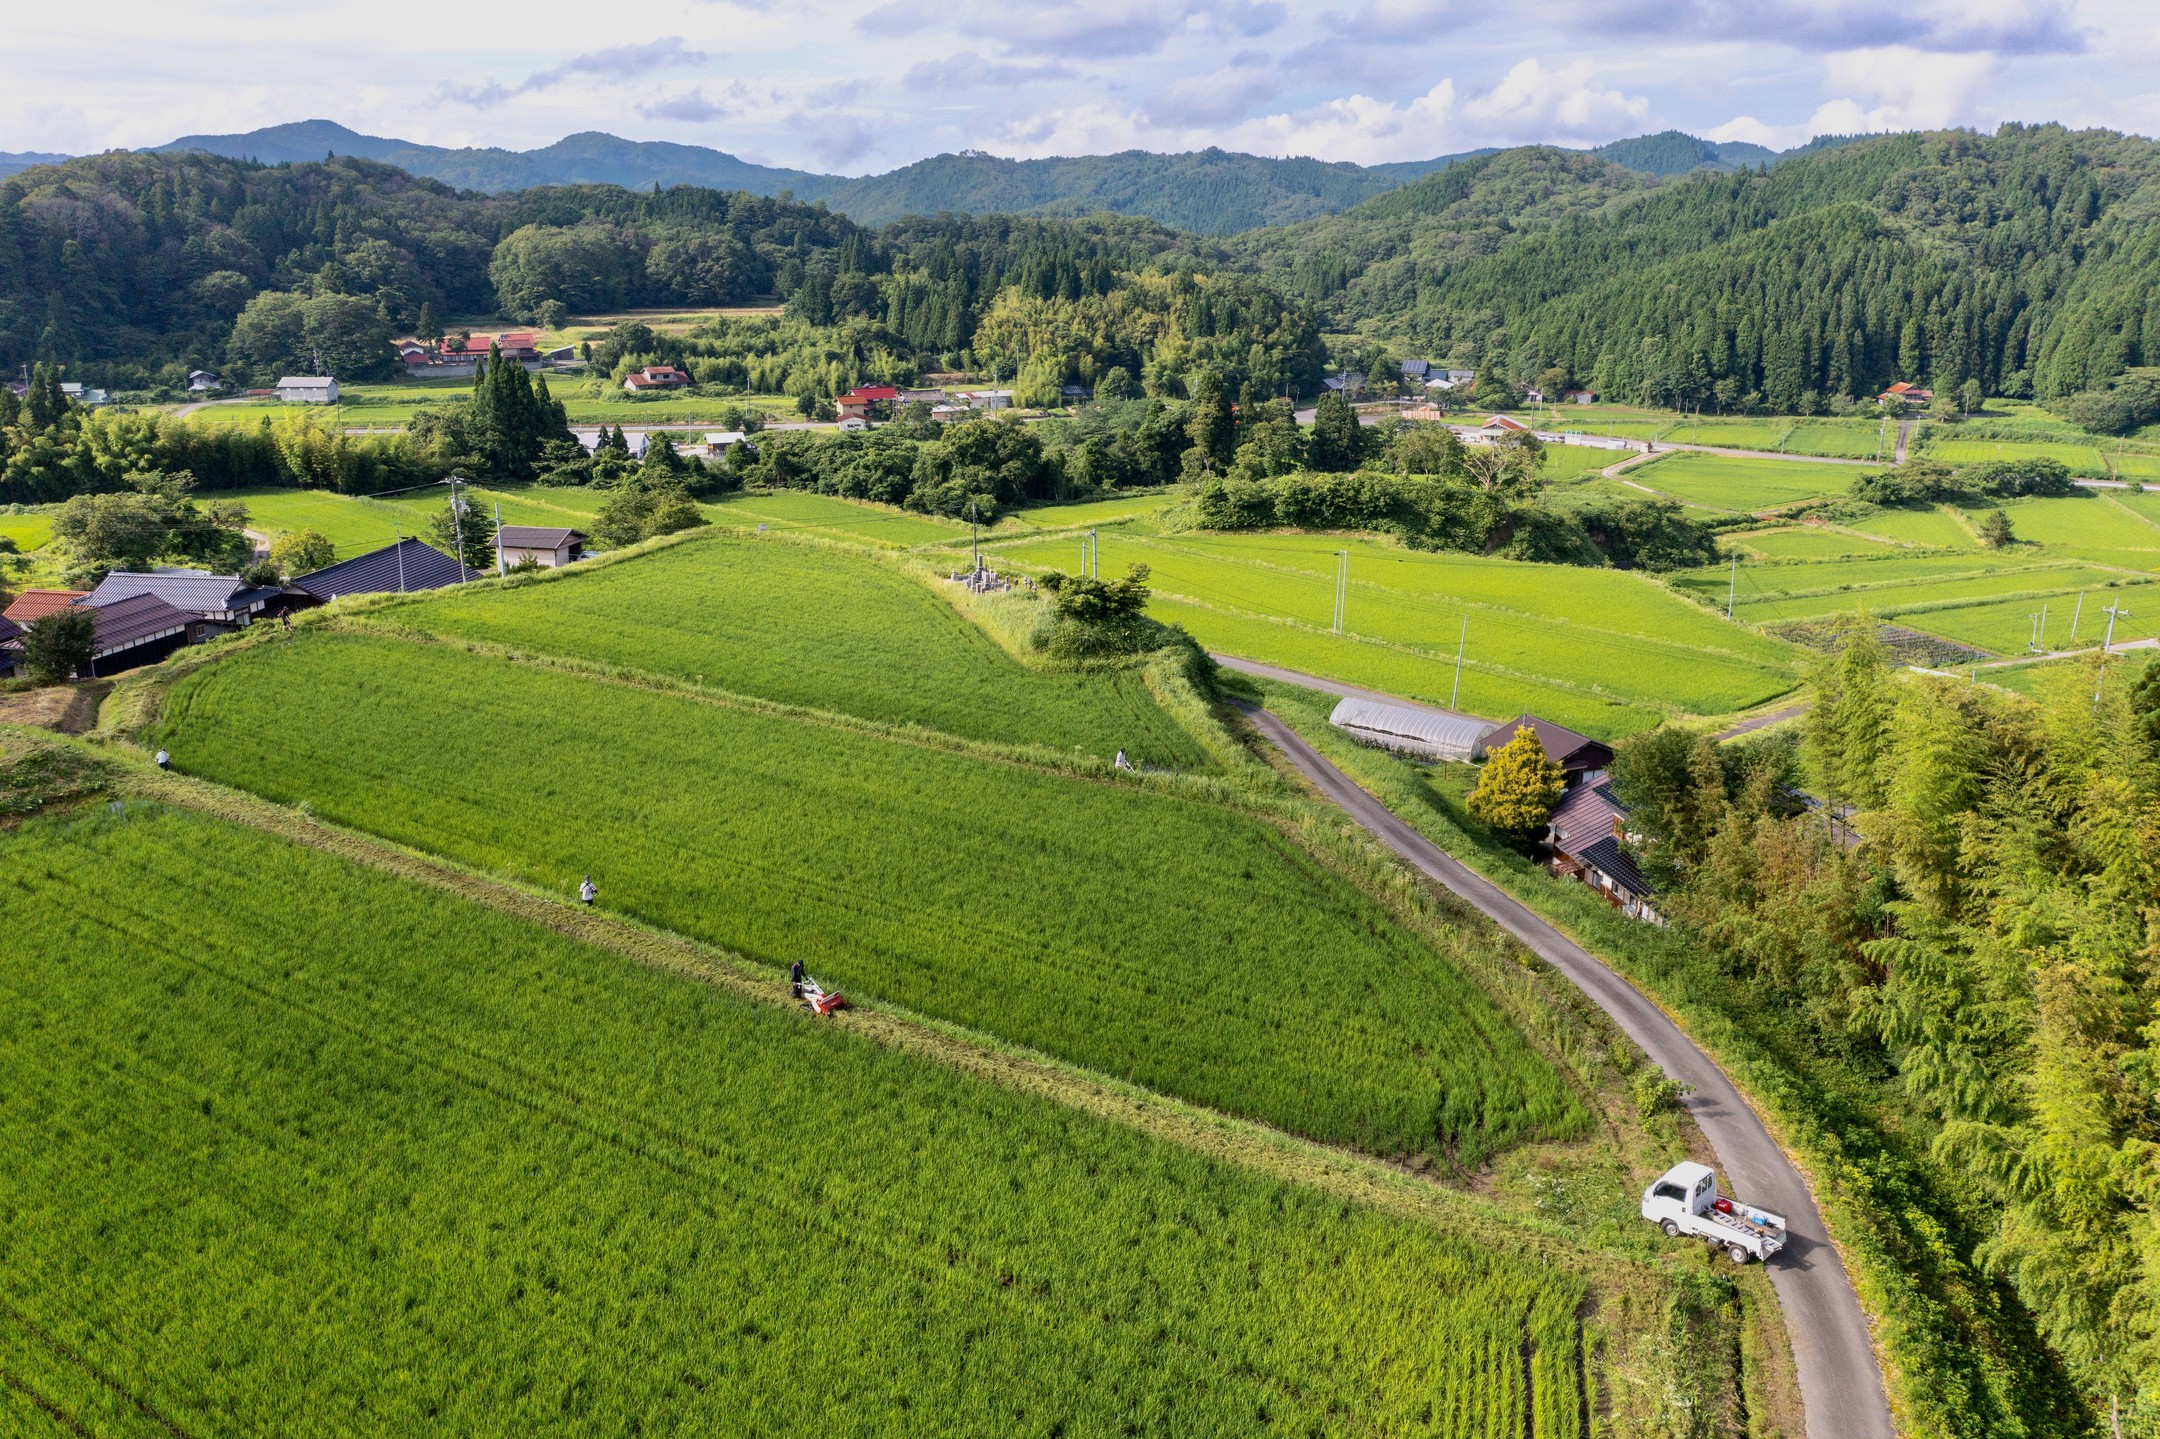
(2114,613)
(498,540)
(974,535)
(1461,641)
(1342,587)
(2075,615)
(1094,555)
(2043,626)
(457,524)
(400,560)
(1732,585)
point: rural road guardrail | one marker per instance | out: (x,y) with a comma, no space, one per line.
(1841,1385)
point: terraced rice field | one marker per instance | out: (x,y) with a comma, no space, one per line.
(817,626)
(356,524)
(1616,640)
(1075,916)
(2082,459)
(1724,482)
(1567,462)
(2094,525)
(298,1148)
(1934,527)
(2007,626)
(28,531)
(1846,439)
(810,513)
(1805,542)
(1926,595)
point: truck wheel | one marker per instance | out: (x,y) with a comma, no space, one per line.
(1671,1228)
(1739,1254)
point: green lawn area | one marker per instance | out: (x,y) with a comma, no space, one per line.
(815,626)
(1726,482)
(296,1148)
(1072,915)
(1616,638)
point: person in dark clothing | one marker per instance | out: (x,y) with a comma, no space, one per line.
(795,977)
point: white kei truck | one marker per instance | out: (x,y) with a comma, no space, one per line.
(1685,1200)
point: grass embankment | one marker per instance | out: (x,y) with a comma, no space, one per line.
(1180,944)
(370,1159)
(809,625)
(1607,652)
(1961,1357)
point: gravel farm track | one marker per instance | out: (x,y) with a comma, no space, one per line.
(1841,1385)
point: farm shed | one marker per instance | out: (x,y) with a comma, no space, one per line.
(1580,757)
(394,569)
(1435,734)
(307,390)
(548,547)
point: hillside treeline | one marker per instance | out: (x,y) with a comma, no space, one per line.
(2021,260)
(1985,954)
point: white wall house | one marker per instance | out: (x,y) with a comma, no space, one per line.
(307,390)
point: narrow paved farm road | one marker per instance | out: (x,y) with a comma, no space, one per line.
(1762,721)
(1332,687)
(1840,1381)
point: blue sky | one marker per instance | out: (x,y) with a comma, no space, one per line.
(863,87)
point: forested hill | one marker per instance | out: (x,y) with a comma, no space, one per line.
(2022,260)
(1207,192)
(130,267)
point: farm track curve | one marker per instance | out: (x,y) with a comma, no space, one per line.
(1841,1386)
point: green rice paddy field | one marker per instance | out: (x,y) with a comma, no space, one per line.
(1623,648)
(27,531)
(1805,542)
(1191,948)
(356,524)
(296,1148)
(817,626)
(1724,482)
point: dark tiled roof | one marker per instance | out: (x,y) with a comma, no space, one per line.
(8,629)
(128,622)
(536,537)
(1561,744)
(201,593)
(1606,855)
(408,564)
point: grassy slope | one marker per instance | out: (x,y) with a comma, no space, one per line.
(1188,947)
(819,627)
(371,1160)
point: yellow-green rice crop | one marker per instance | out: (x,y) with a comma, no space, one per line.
(1189,947)
(817,626)
(835,518)
(1726,482)
(289,1148)
(1805,542)
(356,524)
(1609,635)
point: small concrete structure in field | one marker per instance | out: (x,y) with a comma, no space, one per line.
(545,546)
(1430,734)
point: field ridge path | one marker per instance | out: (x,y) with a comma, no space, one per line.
(1841,1383)
(1261,1148)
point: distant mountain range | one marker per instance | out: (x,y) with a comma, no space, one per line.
(1212,192)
